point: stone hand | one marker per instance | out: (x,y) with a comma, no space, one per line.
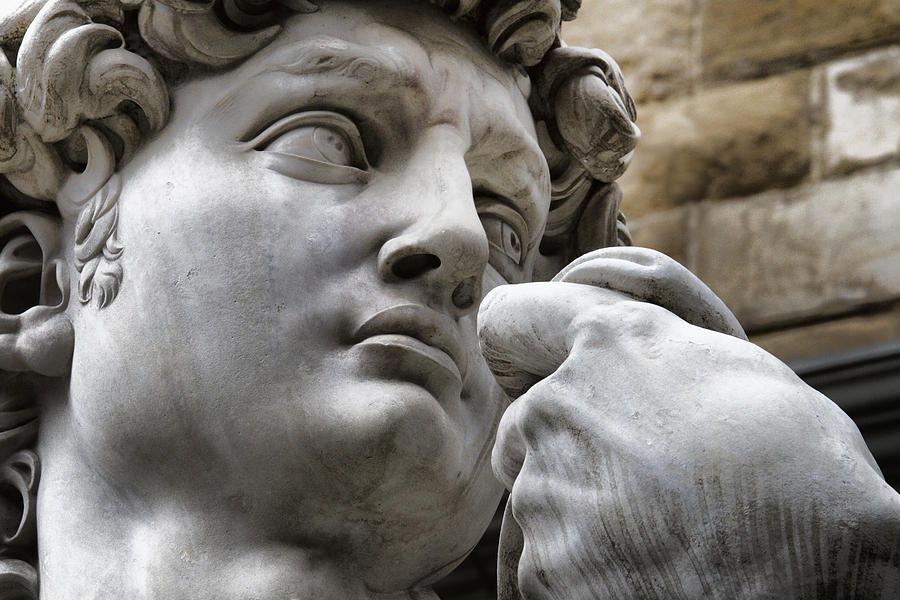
(651,455)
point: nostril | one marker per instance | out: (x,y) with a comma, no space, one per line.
(464,295)
(414,265)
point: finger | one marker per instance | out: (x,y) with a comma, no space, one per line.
(508,453)
(524,329)
(509,549)
(653,277)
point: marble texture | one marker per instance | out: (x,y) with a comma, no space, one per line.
(244,352)
(690,463)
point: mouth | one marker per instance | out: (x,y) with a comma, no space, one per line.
(417,329)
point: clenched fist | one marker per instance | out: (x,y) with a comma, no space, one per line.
(653,452)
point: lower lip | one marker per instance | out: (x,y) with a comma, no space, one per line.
(415,346)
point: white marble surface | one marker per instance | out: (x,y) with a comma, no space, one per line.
(239,341)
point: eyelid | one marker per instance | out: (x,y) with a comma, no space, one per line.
(494,206)
(304,167)
(308,169)
(312,118)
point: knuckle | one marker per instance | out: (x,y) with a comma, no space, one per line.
(623,319)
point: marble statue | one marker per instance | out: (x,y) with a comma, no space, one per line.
(258,338)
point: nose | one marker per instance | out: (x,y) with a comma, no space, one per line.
(422,262)
(441,244)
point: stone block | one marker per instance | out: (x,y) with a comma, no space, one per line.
(730,141)
(833,336)
(755,37)
(862,106)
(650,39)
(783,257)
(665,231)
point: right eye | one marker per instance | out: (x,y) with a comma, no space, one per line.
(316,142)
(318,146)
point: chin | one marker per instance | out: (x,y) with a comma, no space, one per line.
(393,436)
(401,464)
(433,494)
(418,547)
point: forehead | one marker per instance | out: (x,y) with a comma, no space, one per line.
(406,51)
(415,34)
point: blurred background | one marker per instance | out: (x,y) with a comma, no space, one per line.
(769,166)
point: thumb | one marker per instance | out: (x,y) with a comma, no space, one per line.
(524,328)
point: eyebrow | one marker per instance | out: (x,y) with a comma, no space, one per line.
(524,167)
(325,55)
(521,161)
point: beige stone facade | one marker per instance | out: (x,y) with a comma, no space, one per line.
(770,158)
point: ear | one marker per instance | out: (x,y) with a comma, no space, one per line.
(35,331)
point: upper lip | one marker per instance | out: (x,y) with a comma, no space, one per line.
(419,322)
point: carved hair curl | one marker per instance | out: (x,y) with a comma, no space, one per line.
(65,131)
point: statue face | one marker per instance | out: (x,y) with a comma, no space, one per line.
(305,247)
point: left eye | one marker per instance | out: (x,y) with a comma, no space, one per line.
(507,234)
(503,237)
(318,146)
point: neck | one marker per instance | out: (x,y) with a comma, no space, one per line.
(96,543)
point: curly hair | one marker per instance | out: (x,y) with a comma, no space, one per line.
(84,82)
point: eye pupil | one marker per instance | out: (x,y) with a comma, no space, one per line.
(501,235)
(331,146)
(331,139)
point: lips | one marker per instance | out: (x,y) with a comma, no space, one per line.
(417,329)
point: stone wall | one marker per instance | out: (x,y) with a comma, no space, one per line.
(770,158)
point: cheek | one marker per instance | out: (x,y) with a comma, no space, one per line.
(236,265)
(491,279)
(189,341)
(122,398)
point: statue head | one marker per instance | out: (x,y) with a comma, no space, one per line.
(243,246)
